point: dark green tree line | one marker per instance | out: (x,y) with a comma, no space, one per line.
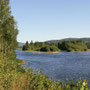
(40,46)
(72,46)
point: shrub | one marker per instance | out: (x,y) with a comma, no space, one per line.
(49,48)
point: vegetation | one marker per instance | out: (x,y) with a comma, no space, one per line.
(68,39)
(40,46)
(88,45)
(49,49)
(72,46)
(8,29)
(12,75)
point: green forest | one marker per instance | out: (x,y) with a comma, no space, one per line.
(12,75)
(73,46)
(40,46)
(70,46)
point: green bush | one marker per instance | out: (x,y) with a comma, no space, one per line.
(49,48)
(45,49)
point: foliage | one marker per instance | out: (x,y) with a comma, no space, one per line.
(88,45)
(49,48)
(26,46)
(72,46)
(8,28)
(40,46)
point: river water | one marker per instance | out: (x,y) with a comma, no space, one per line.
(58,66)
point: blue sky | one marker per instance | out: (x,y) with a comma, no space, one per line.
(41,20)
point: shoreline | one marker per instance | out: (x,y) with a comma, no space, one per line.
(85,51)
(23,62)
(56,51)
(41,51)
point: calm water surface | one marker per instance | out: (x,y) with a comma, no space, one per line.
(59,66)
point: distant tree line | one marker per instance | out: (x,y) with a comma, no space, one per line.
(70,46)
(40,46)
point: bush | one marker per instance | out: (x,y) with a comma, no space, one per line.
(49,48)
(54,48)
(45,49)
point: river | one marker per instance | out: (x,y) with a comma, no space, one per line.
(58,66)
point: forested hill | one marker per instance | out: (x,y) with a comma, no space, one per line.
(66,39)
(56,41)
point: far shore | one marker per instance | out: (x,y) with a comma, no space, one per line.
(54,52)
(42,52)
(85,51)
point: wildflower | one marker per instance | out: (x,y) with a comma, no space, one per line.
(84,83)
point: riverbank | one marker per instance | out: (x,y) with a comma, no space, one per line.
(85,51)
(56,52)
(23,62)
(42,52)
(47,62)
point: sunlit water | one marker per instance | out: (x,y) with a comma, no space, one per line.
(58,66)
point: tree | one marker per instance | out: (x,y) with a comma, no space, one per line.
(8,28)
(72,46)
(31,42)
(49,48)
(26,46)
